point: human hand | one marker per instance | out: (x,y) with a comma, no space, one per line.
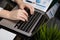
(23,5)
(18,15)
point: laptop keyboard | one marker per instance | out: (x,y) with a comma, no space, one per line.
(30,24)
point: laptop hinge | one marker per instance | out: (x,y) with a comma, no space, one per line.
(39,11)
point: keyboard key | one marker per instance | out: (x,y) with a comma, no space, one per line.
(27,26)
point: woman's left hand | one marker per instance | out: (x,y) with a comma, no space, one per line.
(23,5)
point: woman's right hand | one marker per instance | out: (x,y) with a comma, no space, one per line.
(18,15)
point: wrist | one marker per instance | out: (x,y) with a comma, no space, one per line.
(19,1)
(4,13)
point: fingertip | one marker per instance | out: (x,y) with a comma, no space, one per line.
(32,10)
(26,19)
(22,19)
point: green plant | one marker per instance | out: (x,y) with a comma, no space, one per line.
(48,33)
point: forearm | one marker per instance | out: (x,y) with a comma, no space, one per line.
(4,13)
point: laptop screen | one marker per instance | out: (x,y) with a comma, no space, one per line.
(39,4)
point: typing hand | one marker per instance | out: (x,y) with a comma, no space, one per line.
(18,15)
(23,5)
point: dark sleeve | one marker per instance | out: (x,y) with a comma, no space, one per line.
(3,3)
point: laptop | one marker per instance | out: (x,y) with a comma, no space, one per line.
(28,28)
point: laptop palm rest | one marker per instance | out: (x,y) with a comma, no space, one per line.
(8,23)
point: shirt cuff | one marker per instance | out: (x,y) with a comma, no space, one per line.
(1,8)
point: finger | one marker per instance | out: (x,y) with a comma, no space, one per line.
(31,9)
(23,15)
(21,18)
(24,10)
